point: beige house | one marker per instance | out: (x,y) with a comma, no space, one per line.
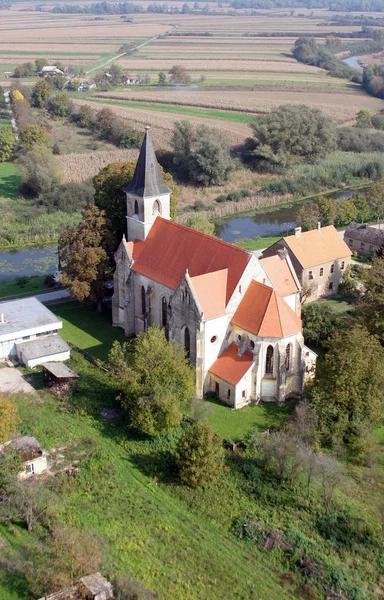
(364,239)
(239,325)
(319,258)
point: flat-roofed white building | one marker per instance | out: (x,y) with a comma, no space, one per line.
(28,332)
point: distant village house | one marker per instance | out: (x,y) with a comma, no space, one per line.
(319,257)
(33,456)
(363,239)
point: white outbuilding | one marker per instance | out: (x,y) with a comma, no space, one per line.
(28,332)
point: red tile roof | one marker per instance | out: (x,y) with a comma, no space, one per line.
(280,275)
(230,366)
(170,249)
(263,312)
(211,290)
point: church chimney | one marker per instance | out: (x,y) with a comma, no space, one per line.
(297,231)
(318,225)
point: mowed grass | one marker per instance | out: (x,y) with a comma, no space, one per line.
(236,117)
(258,243)
(233,424)
(10,180)
(11,288)
(87,329)
(146,528)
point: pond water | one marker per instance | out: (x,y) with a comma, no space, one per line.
(352,61)
(40,261)
(266,223)
(35,261)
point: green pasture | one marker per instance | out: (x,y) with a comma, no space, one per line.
(80,328)
(10,180)
(183,110)
(259,242)
(11,289)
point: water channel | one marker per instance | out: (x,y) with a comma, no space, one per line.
(40,261)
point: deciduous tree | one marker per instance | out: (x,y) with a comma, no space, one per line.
(200,456)
(33,135)
(178,74)
(41,92)
(156,380)
(201,223)
(39,171)
(7,141)
(292,133)
(348,388)
(83,257)
(371,308)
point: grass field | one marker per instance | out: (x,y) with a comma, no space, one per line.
(181,110)
(11,288)
(147,530)
(258,242)
(79,328)
(233,425)
(10,180)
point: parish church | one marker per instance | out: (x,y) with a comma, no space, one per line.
(237,317)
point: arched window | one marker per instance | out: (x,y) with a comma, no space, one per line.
(288,353)
(164,311)
(269,360)
(187,342)
(136,207)
(143,301)
(156,209)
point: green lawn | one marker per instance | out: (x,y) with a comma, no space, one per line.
(10,180)
(11,288)
(259,242)
(88,330)
(338,304)
(233,425)
(223,115)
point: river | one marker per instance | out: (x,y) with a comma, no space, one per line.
(40,261)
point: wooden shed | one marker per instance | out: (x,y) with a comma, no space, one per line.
(60,378)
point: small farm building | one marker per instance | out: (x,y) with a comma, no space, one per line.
(32,454)
(28,332)
(59,377)
(363,239)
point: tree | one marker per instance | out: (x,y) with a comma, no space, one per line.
(156,380)
(16,95)
(59,105)
(40,63)
(109,185)
(162,78)
(41,92)
(371,309)
(362,207)
(8,417)
(209,163)
(86,116)
(319,322)
(327,210)
(292,133)
(116,71)
(308,216)
(33,135)
(200,456)
(104,122)
(364,119)
(69,197)
(348,388)
(62,559)
(201,223)
(331,473)
(346,212)
(375,199)
(83,257)
(7,141)
(178,74)
(127,588)
(39,171)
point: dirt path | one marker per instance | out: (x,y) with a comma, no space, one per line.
(13,120)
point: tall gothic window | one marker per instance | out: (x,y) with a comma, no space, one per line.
(136,207)
(269,360)
(187,341)
(164,311)
(143,301)
(288,354)
(156,209)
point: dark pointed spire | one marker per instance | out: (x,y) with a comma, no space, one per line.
(147,180)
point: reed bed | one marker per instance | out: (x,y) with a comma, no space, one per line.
(79,167)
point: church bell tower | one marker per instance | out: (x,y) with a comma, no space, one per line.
(147,194)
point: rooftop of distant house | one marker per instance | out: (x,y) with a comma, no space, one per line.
(317,246)
(25,314)
(365,233)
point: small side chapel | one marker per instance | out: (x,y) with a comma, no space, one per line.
(237,317)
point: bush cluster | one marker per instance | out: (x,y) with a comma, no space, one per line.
(106,125)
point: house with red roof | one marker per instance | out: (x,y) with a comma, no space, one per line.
(238,320)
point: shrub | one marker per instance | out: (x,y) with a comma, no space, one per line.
(59,105)
(7,141)
(200,456)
